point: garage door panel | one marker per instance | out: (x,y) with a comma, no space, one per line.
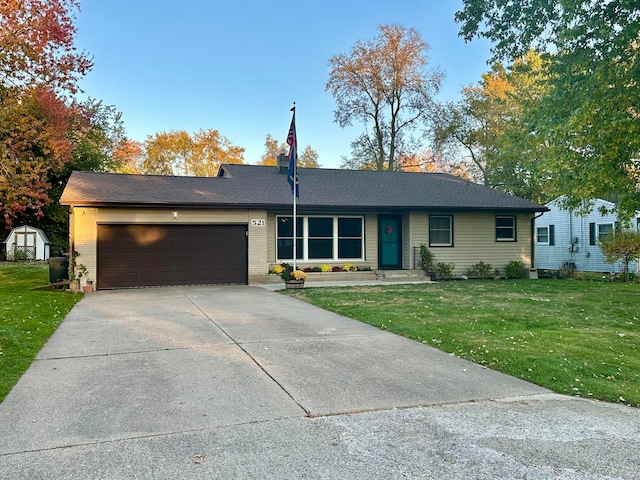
(156,255)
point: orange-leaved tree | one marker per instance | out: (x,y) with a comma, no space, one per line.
(308,158)
(178,153)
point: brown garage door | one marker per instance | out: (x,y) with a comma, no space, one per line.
(156,255)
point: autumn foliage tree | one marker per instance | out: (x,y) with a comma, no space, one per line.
(179,153)
(39,127)
(590,116)
(37,45)
(308,158)
(384,83)
(492,131)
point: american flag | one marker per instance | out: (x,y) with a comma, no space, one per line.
(292,176)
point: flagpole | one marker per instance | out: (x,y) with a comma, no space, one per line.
(295,203)
(293,180)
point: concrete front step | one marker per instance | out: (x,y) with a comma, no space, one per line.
(400,275)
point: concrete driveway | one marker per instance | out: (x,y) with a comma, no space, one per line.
(244,383)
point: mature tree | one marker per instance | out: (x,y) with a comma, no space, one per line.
(129,156)
(37,44)
(95,132)
(385,83)
(590,118)
(178,153)
(33,143)
(622,245)
(430,162)
(39,128)
(491,130)
(307,158)
(273,148)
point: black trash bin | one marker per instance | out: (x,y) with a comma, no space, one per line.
(58,269)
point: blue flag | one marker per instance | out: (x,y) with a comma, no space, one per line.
(292,176)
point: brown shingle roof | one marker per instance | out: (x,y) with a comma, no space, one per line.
(258,186)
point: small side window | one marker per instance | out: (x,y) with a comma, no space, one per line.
(506,229)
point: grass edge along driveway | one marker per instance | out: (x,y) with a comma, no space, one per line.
(27,317)
(574,337)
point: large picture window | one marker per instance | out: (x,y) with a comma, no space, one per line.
(506,229)
(321,238)
(440,231)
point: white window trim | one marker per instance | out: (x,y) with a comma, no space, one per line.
(335,238)
(537,235)
(598,225)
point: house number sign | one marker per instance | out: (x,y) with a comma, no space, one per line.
(258,222)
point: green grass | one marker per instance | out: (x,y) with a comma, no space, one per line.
(27,317)
(573,337)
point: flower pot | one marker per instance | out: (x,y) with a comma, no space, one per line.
(292,284)
(87,288)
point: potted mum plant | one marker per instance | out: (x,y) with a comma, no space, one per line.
(292,278)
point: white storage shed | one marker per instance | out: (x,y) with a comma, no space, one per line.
(27,243)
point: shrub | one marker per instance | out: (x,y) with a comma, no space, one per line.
(336,269)
(316,269)
(426,258)
(480,270)
(514,269)
(349,267)
(325,268)
(444,271)
(567,270)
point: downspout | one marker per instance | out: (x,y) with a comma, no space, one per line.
(533,239)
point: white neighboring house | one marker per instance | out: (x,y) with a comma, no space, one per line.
(564,236)
(28,243)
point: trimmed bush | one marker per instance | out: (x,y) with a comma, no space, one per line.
(444,271)
(480,270)
(514,269)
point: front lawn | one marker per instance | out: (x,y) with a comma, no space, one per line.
(27,317)
(573,337)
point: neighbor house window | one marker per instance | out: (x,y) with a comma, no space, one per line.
(505,229)
(599,231)
(321,238)
(545,235)
(542,235)
(604,229)
(440,231)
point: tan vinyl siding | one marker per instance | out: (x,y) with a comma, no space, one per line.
(371,240)
(84,238)
(419,234)
(474,238)
(142,215)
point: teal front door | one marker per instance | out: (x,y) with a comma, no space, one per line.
(390,242)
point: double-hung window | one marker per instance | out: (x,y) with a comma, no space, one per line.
(321,238)
(440,231)
(506,228)
(546,235)
(542,235)
(604,229)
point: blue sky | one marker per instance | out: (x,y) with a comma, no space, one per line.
(237,66)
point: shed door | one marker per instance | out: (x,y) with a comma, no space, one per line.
(158,255)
